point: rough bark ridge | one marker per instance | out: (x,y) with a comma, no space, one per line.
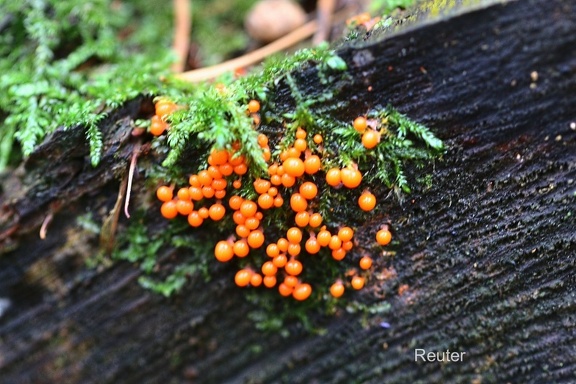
(488,251)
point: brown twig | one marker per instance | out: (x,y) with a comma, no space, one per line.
(182,28)
(258,55)
(324,17)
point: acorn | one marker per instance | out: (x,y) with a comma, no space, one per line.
(269,20)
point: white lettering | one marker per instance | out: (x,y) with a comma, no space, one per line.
(419,353)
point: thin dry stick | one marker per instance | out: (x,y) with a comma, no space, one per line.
(182,28)
(258,55)
(133,162)
(45,223)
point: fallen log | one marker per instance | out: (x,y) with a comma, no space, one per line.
(485,254)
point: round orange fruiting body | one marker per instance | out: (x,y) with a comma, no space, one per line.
(360,124)
(337,289)
(242,278)
(370,138)
(293,267)
(351,177)
(383,237)
(309,190)
(253,106)
(333,177)
(223,251)
(164,193)
(367,201)
(358,282)
(169,209)
(302,291)
(365,262)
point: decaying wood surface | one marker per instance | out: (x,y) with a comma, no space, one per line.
(487,253)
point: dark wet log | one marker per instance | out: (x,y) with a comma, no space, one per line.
(487,252)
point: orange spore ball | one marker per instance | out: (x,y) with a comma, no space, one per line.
(324,238)
(241,248)
(164,193)
(351,177)
(365,262)
(195,193)
(204,213)
(337,289)
(293,267)
(253,106)
(294,249)
(312,164)
(240,169)
(164,107)
(315,220)
(157,126)
(285,290)
(346,234)
(242,231)
(219,156)
(360,124)
(242,278)
(383,237)
(333,177)
(302,291)
(265,201)
(309,190)
(278,201)
(262,140)
(370,138)
(272,250)
(256,280)
(237,184)
(184,207)
(280,260)
(223,251)
(298,202)
(183,194)
(282,244)
(358,282)
(334,242)
(338,254)
(194,219)
(294,235)
(288,180)
(235,202)
(317,139)
(217,211)
(269,269)
(291,281)
(302,219)
(300,133)
(169,209)
(252,223)
(300,145)
(261,186)
(208,192)
(367,201)
(248,208)
(194,181)
(293,166)
(269,281)
(256,239)
(312,246)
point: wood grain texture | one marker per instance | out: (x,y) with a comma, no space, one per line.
(488,251)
